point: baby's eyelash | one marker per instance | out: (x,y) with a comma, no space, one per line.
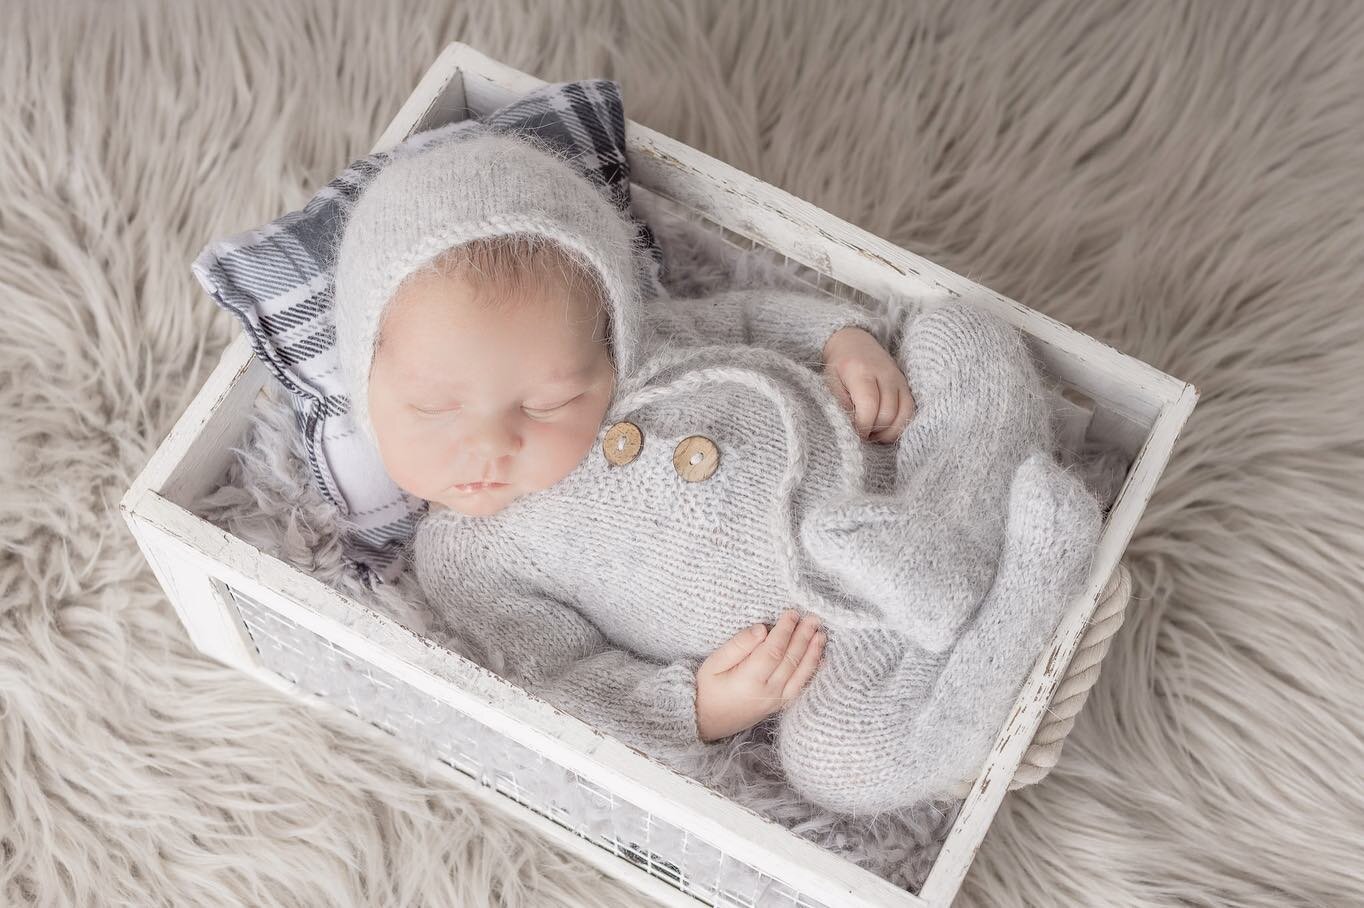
(553,408)
(440,412)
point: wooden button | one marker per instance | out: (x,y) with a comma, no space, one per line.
(622,443)
(696,458)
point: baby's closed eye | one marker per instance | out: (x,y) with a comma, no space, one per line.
(544,409)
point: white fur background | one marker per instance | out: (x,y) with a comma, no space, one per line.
(1183,181)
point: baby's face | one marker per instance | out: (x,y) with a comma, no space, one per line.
(461,394)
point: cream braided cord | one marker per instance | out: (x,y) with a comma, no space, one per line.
(1074,688)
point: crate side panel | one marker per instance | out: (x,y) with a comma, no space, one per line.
(211,622)
(627,830)
(195,454)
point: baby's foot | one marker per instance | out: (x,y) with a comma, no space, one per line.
(1054,525)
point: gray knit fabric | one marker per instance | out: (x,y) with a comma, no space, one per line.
(939,565)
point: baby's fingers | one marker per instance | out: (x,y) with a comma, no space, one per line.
(885,415)
(809,664)
(897,401)
(866,395)
(736,649)
(789,655)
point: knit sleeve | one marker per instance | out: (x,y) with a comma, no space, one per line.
(650,707)
(550,649)
(795,323)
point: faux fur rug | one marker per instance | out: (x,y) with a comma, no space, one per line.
(1181,181)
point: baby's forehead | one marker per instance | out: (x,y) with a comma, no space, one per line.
(465,293)
(434,303)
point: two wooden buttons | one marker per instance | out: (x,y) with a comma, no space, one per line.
(695,458)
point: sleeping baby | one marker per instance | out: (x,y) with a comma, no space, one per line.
(674,518)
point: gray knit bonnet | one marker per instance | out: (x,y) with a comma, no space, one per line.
(473,183)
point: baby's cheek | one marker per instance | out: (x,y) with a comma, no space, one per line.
(418,464)
(553,450)
(565,445)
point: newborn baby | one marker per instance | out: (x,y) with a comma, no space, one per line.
(626,491)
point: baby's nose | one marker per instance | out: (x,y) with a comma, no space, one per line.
(490,441)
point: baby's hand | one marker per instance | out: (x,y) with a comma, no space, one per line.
(755,674)
(868,382)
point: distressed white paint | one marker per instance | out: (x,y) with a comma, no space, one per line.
(1135,405)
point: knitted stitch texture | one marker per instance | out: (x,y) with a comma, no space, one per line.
(939,567)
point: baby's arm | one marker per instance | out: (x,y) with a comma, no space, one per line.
(858,366)
(792,322)
(551,650)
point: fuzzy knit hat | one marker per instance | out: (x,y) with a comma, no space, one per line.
(469,183)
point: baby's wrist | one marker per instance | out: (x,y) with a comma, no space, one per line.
(844,335)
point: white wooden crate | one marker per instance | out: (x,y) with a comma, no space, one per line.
(666,834)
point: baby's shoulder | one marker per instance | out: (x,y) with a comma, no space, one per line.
(445,533)
(452,550)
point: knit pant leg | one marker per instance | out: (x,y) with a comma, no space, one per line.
(927,553)
(886,723)
(981,409)
(841,742)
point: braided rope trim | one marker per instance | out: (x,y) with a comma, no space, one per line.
(1083,671)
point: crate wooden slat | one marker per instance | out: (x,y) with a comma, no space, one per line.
(202,568)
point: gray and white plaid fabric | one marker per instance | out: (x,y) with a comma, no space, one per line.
(277,281)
